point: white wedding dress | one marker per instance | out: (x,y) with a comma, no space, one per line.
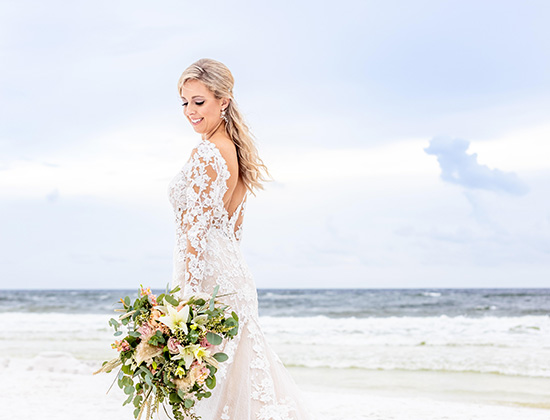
(253,384)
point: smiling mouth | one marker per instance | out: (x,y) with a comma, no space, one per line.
(197,121)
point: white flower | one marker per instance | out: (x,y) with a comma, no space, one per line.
(195,352)
(176,319)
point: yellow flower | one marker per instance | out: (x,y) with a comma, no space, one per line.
(180,372)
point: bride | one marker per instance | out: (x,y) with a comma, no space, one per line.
(209,197)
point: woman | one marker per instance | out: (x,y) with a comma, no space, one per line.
(209,199)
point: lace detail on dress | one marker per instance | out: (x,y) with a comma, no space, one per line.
(238,219)
(198,202)
(253,383)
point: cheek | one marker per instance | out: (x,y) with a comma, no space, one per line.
(210,112)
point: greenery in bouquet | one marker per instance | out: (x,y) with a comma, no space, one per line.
(168,354)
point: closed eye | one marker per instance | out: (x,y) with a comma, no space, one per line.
(197,103)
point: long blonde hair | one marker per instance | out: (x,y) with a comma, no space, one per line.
(219,80)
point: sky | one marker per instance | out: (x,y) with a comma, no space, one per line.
(408,140)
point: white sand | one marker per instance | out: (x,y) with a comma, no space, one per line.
(57,386)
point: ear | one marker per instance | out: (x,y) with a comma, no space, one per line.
(225,103)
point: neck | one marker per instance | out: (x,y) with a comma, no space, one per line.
(219,128)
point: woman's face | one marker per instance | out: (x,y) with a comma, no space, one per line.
(201,107)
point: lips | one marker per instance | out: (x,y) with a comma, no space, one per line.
(196,121)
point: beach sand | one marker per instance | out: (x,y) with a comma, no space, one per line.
(55,385)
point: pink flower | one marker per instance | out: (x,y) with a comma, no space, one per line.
(146,331)
(173,345)
(145,291)
(152,299)
(204,343)
(121,345)
(199,372)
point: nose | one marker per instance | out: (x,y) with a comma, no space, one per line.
(189,110)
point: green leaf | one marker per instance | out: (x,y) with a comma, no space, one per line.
(129,389)
(116,334)
(230,322)
(171,300)
(136,412)
(214,293)
(127,301)
(174,398)
(148,380)
(211,382)
(128,400)
(213,338)
(189,403)
(234,315)
(221,357)
(181,394)
(144,370)
(134,334)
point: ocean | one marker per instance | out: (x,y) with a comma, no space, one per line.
(358,354)
(501,331)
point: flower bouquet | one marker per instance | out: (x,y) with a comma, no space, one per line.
(168,352)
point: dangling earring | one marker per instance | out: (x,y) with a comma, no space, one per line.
(223,116)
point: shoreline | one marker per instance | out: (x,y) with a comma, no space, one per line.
(60,386)
(460,387)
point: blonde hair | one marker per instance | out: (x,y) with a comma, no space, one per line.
(219,80)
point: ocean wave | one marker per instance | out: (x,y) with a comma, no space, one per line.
(505,345)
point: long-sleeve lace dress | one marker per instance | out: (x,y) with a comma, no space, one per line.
(253,384)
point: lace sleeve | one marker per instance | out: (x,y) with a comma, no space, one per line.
(204,206)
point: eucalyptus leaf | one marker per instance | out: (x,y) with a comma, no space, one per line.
(213,338)
(127,401)
(220,357)
(171,300)
(211,382)
(148,380)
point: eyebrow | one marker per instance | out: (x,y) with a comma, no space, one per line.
(196,96)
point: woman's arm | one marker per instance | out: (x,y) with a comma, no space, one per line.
(204,194)
(202,208)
